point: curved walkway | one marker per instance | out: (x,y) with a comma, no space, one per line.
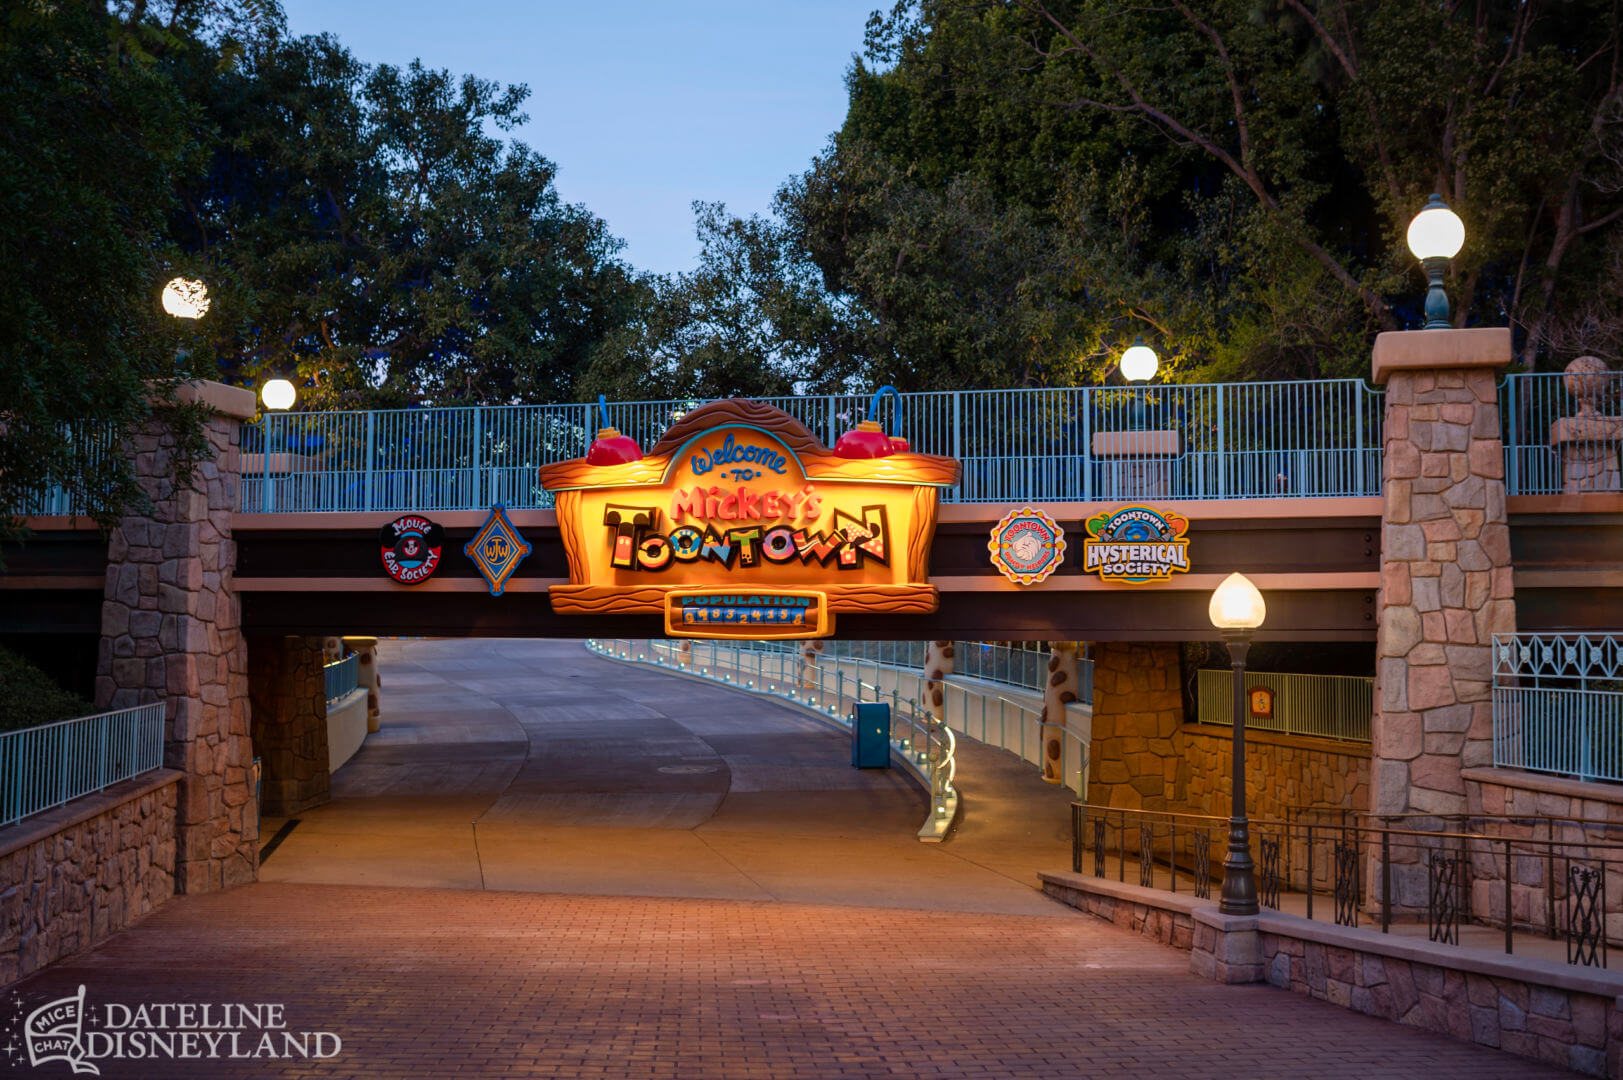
(536,766)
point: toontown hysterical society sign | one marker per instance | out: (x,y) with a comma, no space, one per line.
(740,523)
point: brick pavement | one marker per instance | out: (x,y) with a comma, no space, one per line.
(442,983)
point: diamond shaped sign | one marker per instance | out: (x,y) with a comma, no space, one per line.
(497,549)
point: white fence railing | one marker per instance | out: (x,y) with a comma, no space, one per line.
(45,766)
(1323,706)
(1558,704)
(927,746)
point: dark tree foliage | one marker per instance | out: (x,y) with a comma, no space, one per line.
(372,240)
(91,133)
(1021,187)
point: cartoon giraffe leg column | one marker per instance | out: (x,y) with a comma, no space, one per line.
(1061,691)
(811,651)
(937,666)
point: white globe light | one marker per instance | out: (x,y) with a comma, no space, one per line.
(1436,232)
(277,394)
(1139,362)
(1237,605)
(186,298)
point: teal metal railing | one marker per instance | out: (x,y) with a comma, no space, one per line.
(45,766)
(342,676)
(1563,432)
(1323,706)
(1558,704)
(1217,441)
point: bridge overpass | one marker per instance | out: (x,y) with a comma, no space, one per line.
(1462,510)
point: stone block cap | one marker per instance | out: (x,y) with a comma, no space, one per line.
(1137,444)
(1440,350)
(227,400)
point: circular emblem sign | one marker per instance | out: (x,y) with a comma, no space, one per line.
(1027,545)
(410,547)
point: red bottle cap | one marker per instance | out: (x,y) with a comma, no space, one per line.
(612,448)
(866,440)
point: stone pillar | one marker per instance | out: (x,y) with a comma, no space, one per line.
(368,677)
(1137,755)
(289,691)
(938,659)
(1060,691)
(1445,567)
(171,632)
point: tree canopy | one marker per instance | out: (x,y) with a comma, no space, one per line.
(1022,187)
(1018,189)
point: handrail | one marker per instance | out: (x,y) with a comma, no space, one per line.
(50,764)
(1446,878)
(928,749)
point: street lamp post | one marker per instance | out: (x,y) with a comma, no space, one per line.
(1435,236)
(1139,364)
(1237,609)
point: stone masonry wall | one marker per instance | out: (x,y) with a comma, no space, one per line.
(73,876)
(1573,1030)
(171,632)
(1281,771)
(1136,760)
(289,692)
(1542,808)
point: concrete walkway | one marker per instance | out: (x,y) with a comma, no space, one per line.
(535,766)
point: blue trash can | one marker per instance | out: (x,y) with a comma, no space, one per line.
(870,735)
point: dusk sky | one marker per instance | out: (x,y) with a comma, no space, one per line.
(644,107)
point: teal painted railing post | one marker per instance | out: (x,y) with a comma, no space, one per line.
(370,469)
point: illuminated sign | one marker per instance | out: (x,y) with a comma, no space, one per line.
(1136,544)
(497,549)
(1027,545)
(410,547)
(736,516)
(1262,702)
(755,616)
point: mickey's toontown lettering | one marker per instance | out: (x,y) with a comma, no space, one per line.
(735,512)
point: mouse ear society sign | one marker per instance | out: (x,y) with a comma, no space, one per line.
(740,523)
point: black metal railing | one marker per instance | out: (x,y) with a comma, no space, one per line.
(1502,874)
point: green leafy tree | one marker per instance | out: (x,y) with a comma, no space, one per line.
(373,241)
(1020,188)
(91,134)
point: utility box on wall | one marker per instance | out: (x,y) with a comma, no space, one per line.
(870,735)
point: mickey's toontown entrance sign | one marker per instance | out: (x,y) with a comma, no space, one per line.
(740,523)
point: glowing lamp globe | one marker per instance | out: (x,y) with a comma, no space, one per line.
(612,448)
(1237,605)
(1436,232)
(277,394)
(866,440)
(1139,362)
(185,298)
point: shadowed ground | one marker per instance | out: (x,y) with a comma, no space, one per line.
(537,766)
